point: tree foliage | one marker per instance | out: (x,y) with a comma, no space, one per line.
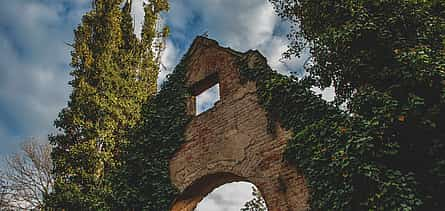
(257,203)
(26,180)
(386,60)
(341,156)
(145,183)
(356,44)
(4,195)
(114,74)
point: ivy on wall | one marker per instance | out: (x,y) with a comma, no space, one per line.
(386,61)
(347,159)
(351,160)
(146,181)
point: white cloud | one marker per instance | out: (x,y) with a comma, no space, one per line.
(207,99)
(169,60)
(180,14)
(137,11)
(228,197)
(241,25)
(34,58)
(34,70)
(273,50)
(327,94)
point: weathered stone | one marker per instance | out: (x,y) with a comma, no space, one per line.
(231,142)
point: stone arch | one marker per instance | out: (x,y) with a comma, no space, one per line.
(198,190)
(232,141)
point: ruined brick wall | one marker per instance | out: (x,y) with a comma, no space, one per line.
(231,142)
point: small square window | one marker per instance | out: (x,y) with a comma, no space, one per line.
(207,99)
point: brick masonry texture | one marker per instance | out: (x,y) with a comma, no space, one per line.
(231,142)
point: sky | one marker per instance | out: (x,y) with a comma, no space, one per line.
(34,55)
(228,197)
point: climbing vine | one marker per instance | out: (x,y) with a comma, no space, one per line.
(351,160)
(146,181)
(346,159)
(386,61)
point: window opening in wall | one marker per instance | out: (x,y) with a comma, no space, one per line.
(235,196)
(206,93)
(207,99)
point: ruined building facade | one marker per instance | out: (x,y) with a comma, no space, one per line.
(231,141)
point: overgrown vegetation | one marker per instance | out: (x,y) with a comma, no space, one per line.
(146,183)
(114,74)
(257,203)
(26,179)
(338,154)
(386,60)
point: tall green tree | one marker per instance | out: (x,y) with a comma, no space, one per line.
(386,60)
(357,44)
(114,73)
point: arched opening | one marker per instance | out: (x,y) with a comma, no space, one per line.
(235,196)
(220,191)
